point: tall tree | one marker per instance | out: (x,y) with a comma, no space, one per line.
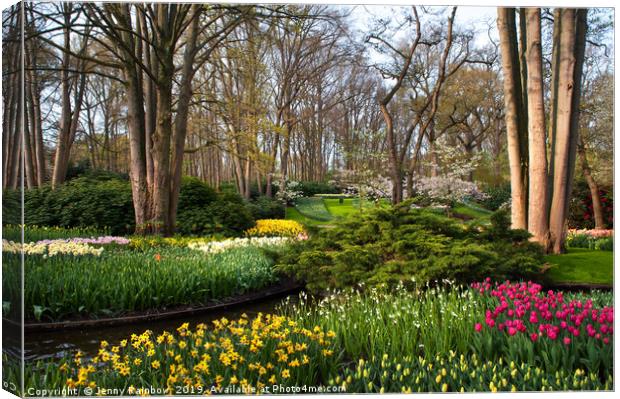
(550,184)
(72,84)
(516,129)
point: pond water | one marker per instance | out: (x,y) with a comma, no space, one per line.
(42,345)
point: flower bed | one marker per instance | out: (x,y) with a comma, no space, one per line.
(573,332)
(215,247)
(429,339)
(241,356)
(591,239)
(66,286)
(435,340)
(51,248)
(277,228)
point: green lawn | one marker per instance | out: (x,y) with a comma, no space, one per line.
(313,208)
(581,265)
(293,214)
(349,206)
(472,211)
(333,206)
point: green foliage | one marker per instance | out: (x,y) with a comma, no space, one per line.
(388,245)
(313,207)
(11,207)
(38,233)
(195,193)
(103,201)
(266,208)
(123,280)
(312,188)
(589,242)
(496,196)
(604,244)
(82,202)
(226,213)
(580,213)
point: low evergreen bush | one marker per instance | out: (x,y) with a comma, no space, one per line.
(400,243)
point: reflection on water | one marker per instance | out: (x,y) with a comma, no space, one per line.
(41,345)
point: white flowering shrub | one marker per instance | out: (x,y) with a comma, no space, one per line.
(291,192)
(447,189)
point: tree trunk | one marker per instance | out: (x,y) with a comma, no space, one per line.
(161,143)
(580,46)
(597,206)
(180,131)
(538,222)
(513,102)
(137,165)
(562,131)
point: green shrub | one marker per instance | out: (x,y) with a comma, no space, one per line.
(11,207)
(496,196)
(266,208)
(82,202)
(604,244)
(103,201)
(203,211)
(388,245)
(195,193)
(311,188)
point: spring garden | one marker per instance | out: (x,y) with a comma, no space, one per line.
(285,199)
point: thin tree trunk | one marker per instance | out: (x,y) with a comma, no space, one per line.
(597,206)
(180,127)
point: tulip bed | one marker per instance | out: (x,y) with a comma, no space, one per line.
(477,338)
(105,276)
(591,239)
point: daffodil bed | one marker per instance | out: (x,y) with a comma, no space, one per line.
(486,337)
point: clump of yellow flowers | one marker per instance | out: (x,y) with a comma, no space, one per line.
(246,353)
(277,228)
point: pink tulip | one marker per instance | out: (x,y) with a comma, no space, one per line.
(478,327)
(566,341)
